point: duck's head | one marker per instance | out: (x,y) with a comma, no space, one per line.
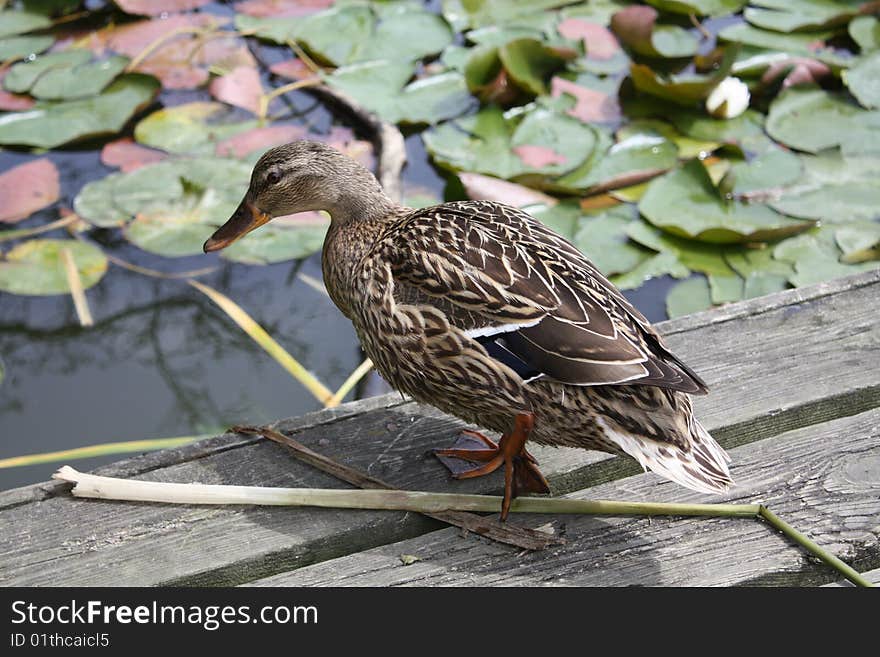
(298,177)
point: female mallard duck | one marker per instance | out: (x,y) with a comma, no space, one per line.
(480,310)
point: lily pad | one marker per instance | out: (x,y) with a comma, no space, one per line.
(189,128)
(78,81)
(348,34)
(273,243)
(22,76)
(604,55)
(159,7)
(784,16)
(27,188)
(686,203)
(530,63)
(816,258)
(464,14)
(811,119)
(863,80)
(381,87)
(699,7)
(52,124)
(688,147)
(603,238)
(681,89)
(637,27)
(698,256)
(547,144)
(662,264)
(795,43)
(21,22)
(859,241)
(489,188)
(865,31)
(35,267)
(768,173)
(23,47)
(688,296)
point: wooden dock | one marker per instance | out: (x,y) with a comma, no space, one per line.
(795,397)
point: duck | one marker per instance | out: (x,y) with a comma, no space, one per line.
(480,310)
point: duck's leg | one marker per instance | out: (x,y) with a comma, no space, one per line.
(521,472)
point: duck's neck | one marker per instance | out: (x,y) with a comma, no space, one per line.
(356,224)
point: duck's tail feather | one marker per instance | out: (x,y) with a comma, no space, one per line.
(702,468)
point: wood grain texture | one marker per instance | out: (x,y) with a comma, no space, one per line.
(774,364)
(824,479)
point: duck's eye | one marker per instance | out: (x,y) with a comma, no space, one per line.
(273,177)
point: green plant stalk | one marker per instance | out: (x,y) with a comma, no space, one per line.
(125,447)
(87,485)
(778,523)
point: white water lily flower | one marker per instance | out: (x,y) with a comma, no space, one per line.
(729,99)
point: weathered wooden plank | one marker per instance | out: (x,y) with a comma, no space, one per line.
(872,576)
(791,376)
(824,479)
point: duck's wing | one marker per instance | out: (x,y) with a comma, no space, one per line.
(529,296)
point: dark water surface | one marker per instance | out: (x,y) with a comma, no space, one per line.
(162,360)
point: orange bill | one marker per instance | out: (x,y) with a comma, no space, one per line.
(246,218)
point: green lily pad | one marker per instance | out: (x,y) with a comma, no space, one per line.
(770,171)
(637,27)
(662,264)
(699,7)
(543,142)
(865,31)
(863,80)
(686,203)
(761,272)
(785,16)
(381,87)
(464,14)
(52,124)
(726,289)
(603,238)
(795,43)
(21,22)
(36,267)
(79,81)
(630,160)
(353,33)
(190,128)
(833,203)
(561,217)
(682,89)
(701,127)
(811,119)
(531,63)
(698,256)
(688,147)
(688,296)
(23,47)
(22,76)
(272,244)
(176,234)
(816,258)
(859,241)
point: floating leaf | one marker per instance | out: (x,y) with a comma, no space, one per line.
(35,267)
(292,69)
(158,7)
(603,238)
(726,289)
(863,80)
(688,147)
(485,143)
(699,256)
(783,16)
(23,47)
(637,27)
(27,188)
(186,128)
(21,22)
(489,188)
(78,81)
(274,243)
(859,241)
(796,43)
(354,33)
(688,296)
(683,89)
(128,156)
(281,8)
(463,14)
(816,258)
(686,203)
(662,264)
(22,76)
(603,52)
(592,106)
(52,124)
(379,86)
(769,172)
(260,139)
(699,7)
(811,119)
(865,31)
(240,87)
(11,102)
(530,63)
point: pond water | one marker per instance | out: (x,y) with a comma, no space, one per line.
(162,360)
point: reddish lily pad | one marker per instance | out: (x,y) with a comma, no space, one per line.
(128,156)
(637,27)
(27,188)
(241,87)
(281,8)
(490,188)
(259,139)
(292,69)
(159,7)
(592,106)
